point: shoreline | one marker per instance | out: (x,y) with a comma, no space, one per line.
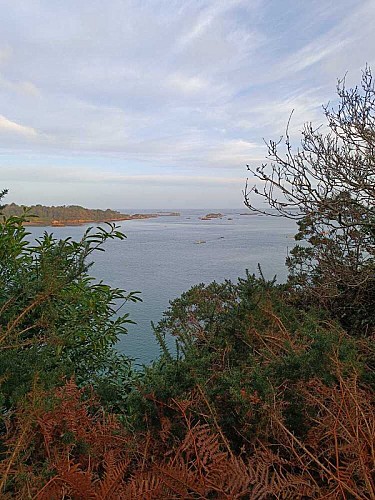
(82,222)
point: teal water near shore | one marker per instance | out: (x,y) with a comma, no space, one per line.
(162,257)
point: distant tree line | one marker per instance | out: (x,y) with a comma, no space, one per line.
(63,213)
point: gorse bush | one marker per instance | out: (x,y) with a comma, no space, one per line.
(244,345)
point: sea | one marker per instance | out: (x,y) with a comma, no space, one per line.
(164,256)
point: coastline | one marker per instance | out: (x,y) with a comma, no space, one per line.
(82,222)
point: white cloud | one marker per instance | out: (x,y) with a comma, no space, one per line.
(28,88)
(23,88)
(8,126)
(51,174)
(204,21)
(234,153)
(5,53)
(187,84)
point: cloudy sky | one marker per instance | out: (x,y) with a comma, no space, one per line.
(161,103)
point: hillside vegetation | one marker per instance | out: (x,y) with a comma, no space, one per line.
(271,392)
(42,215)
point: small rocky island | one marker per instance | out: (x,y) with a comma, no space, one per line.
(212,216)
(72,215)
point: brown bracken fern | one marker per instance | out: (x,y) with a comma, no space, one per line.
(61,445)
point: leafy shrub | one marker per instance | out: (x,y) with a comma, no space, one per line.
(55,320)
(244,345)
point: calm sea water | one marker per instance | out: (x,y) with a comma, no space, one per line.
(161,258)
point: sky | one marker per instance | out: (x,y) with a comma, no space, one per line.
(162,103)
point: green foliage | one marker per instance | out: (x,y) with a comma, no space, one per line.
(3,192)
(244,345)
(336,269)
(55,320)
(327,185)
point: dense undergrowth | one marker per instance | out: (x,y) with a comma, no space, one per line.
(265,398)
(270,394)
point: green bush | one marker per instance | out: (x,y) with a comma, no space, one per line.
(242,345)
(56,320)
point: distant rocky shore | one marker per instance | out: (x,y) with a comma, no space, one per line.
(212,216)
(76,215)
(80,222)
(73,215)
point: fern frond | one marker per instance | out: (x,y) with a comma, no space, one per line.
(113,481)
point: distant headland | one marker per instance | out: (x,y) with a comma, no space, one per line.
(73,215)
